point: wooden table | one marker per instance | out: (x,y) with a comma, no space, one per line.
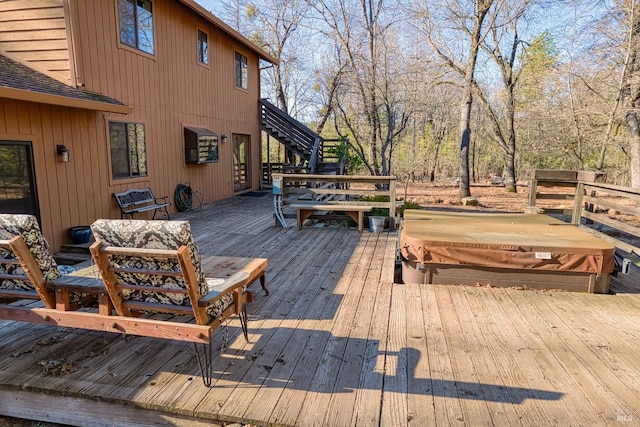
(226,266)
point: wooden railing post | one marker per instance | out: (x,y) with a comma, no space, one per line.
(578,201)
(533,188)
(392,198)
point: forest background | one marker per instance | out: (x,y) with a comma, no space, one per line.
(466,89)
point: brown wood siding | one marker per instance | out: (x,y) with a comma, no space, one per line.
(35,31)
(168,91)
(69,194)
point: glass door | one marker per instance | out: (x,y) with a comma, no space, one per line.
(17,179)
(241,149)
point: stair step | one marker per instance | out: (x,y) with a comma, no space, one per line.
(82,248)
(70,258)
(294,135)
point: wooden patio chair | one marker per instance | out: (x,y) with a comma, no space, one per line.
(151,267)
(28,270)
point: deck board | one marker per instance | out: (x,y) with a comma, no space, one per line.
(338,343)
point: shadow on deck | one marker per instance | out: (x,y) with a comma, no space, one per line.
(337,343)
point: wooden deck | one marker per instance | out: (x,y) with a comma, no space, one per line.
(337,343)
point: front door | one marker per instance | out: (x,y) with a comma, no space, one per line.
(241,149)
(17,179)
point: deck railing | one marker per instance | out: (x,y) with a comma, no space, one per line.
(563,182)
(347,189)
(610,212)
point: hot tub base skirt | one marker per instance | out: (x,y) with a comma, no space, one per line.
(452,274)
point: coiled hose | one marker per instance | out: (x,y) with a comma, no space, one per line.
(183,198)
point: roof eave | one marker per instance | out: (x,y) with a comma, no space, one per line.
(45,98)
(228,30)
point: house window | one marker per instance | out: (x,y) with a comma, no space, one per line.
(203,47)
(242,71)
(136,24)
(128,150)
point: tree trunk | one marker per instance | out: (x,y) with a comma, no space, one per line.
(510,152)
(465,189)
(432,175)
(633,124)
(281,97)
(510,171)
(482,8)
(632,93)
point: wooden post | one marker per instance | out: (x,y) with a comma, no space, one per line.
(577,204)
(533,188)
(392,199)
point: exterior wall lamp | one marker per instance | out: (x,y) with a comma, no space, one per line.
(63,152)
(223,138)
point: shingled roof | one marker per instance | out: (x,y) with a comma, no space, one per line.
(18,81)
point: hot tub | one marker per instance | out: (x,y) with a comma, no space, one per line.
(514,250)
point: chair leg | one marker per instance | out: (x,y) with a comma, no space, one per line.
(263,283)
(244,322)
(204,357)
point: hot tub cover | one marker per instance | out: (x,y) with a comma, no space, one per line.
(517,241)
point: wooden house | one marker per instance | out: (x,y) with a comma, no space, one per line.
(102,96)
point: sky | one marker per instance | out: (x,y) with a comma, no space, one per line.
(210,5)
(567,22)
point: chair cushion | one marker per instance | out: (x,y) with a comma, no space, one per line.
(26,226)
(145,234)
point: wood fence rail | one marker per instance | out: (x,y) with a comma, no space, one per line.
(610,212)
(545,179)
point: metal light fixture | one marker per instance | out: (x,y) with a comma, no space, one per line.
(224,138)
(63,152)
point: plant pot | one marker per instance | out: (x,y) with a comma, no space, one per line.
(376,223)
(80,234)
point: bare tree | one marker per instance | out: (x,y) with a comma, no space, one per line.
(503,46)
(631,90)
(274,25)
(470,23)
(370,105)
(329,83)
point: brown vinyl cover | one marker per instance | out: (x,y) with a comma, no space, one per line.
(519,241)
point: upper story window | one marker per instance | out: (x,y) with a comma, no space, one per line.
(203,47)
(242,71)
(136,24)
(128,150)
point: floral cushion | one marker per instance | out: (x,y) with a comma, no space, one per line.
(145,234)
(27,226)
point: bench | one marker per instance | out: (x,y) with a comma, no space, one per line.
(350,194)
(355,212)
(140,200)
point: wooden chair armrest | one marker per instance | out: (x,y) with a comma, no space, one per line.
(236,281)
(164,199)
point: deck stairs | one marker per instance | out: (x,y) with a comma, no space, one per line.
(302,142)
(71,254)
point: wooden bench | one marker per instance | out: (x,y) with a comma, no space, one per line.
(355,212)
(351,194)
(140,200)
